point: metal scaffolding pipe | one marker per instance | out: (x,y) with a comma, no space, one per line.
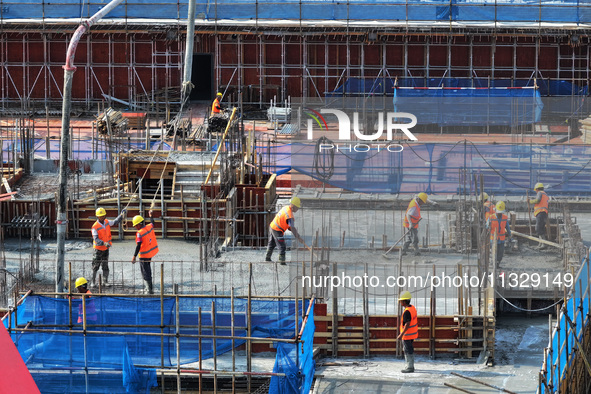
(69,69)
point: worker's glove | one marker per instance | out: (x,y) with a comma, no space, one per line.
(109,244)
(124,211)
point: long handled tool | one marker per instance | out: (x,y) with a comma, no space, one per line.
(309,248)
(385,255)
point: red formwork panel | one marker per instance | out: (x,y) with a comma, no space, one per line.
(460,57)
(372,55)
(481,56)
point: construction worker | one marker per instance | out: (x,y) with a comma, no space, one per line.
(101,242)
(489,206)
(541,203)
(411,221)
(499,225)
(81,285)
(409,331)
(146,247)
(283,221)
(216,106)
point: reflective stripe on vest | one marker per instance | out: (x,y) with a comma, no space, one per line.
(542,206)
(489,210)
(413,328)
(498,226)
(280,221)
(415,219)
(215,106)
(90,310)
(104,234)
(149,246)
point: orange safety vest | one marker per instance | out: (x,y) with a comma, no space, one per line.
(415,219)
(489,209)
(542,206)
(90,310)
(215,106)
(413,328)
(149,246)
(280,221)
(104,234)
(498,226)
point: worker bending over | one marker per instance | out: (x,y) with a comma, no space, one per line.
(411,221)
(283,221)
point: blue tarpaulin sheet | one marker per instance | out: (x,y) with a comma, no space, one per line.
(526,12)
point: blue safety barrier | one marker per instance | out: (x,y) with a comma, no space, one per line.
(524,12)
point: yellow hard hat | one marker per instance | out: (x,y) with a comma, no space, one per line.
(484,196)
(423,197)
(137,219)
(296,201)
(219,94)
(500,206)
(539,185)
(405,296)
(80,281)
(101,212)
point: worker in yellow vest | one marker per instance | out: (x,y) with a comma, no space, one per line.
(146,247)
(101,242)
(216,106)
(409,331)
(489,206)
(499,225)
(541,203)
(411,221)
(283,221)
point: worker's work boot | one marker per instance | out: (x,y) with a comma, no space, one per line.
(150,288)
(542,246)
(410,363)
(268,255)
(147,286)
(405,248)
(282,259)
(106,278)
(417,251)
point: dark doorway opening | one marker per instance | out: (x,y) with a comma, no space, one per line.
(202,77)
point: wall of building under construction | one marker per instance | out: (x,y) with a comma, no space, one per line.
(138,66)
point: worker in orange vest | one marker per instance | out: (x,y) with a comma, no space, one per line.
(499,225)
(541,203)
(283,221)
(489,206)
(146,247)
(101,242)
(411,221)
(409,331)
(81,285)
(216,106)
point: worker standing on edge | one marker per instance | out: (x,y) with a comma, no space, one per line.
(81,285)
(411,221)
(101,242)
(283,221)
(147,247)
(499,224)
(541,203)
(409,331)
(216,106)
(489,206)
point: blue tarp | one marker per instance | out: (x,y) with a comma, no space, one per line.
(560,356)
(507,169)
(63,352)
(296,361)
(526,12)
(470,107)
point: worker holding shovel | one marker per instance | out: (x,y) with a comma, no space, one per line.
(411,221)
